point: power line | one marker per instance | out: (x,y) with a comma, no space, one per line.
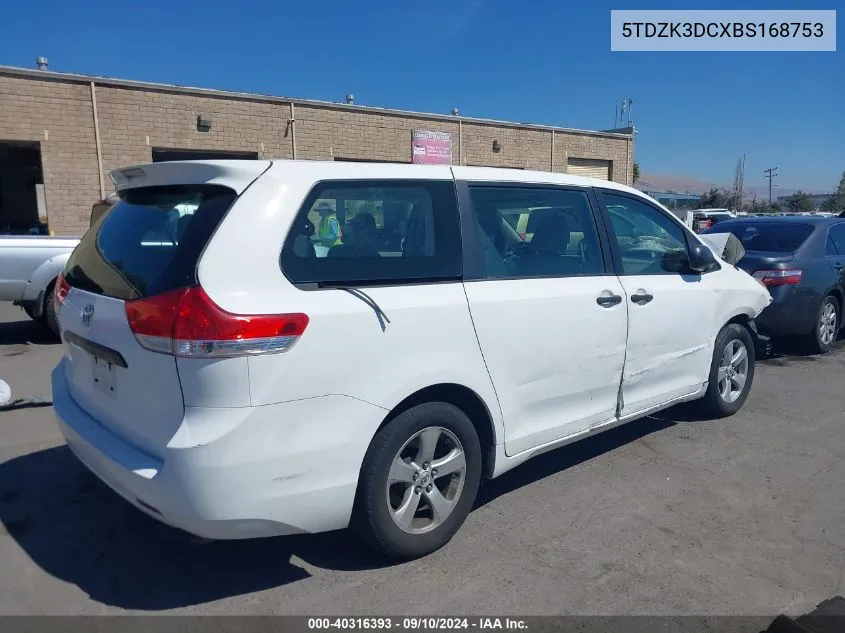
(770,173)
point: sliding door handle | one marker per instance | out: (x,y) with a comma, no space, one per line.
(608,301)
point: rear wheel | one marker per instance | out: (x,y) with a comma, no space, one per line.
(823,336)
(51,319)
(419,481)
(731,371)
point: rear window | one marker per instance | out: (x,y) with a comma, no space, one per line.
(776,237)
(358,232)
(150,242)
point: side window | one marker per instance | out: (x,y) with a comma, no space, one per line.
(830,248)
(536,232)
(649,242)
(375,231)
(837,234)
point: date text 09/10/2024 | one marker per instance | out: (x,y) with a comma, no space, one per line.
(417,623)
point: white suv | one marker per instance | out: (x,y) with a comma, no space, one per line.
(257,348)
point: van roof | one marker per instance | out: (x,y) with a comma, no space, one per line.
(239,173)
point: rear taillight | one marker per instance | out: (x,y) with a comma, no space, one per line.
(61,289)
(772,278)
(187,323)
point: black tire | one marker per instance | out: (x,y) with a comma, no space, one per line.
(51,319)
(714,402)
(372,517)
(816,342)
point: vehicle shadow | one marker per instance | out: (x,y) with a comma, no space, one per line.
(790,350)
(566,457)
(25,331)
(76,529)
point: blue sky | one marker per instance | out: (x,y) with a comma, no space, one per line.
(533,61)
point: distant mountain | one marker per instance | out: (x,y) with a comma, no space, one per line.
(687,184)
(678,184)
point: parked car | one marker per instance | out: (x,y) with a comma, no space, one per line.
(800,259)
(703,219)
(226,379)
(29,266)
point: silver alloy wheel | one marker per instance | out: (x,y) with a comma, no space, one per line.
(733,370)
(426,480)
(827,323)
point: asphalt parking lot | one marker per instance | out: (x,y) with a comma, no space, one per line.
(669,515)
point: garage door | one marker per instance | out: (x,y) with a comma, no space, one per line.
(590,167)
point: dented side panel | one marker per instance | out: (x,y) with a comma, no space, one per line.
(555,356)
(671,338)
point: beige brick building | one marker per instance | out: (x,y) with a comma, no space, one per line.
(79,128)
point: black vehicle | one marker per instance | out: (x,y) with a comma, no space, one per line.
(802,262)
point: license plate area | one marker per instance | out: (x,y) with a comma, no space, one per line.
(104,376)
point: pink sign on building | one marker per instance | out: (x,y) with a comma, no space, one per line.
(431,148)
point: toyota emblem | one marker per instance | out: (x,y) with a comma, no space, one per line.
(87,315)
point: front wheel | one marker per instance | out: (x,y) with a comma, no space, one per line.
(419,481)
(731,371)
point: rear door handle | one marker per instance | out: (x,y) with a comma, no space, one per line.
(608,301)
(641,298)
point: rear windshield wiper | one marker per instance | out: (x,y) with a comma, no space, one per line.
(363,296)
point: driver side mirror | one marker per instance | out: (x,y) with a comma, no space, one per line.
(701,258)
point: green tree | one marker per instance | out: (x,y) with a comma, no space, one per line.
(715,199)
(831,203)
(759,206)
(636,172)
(718,199)
(800,202)
(836,202)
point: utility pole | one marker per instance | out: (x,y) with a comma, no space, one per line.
(771,173)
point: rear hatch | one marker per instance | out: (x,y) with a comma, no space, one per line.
(147,247)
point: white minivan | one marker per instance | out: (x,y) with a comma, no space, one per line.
(229,377)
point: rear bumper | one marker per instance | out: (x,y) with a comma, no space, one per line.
(793,316)
(235,473)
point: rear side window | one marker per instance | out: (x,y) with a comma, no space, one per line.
(358,232)
(837,234)
(150,242)
(774,237)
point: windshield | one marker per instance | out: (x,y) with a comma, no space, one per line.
(776,237)
(150,241)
